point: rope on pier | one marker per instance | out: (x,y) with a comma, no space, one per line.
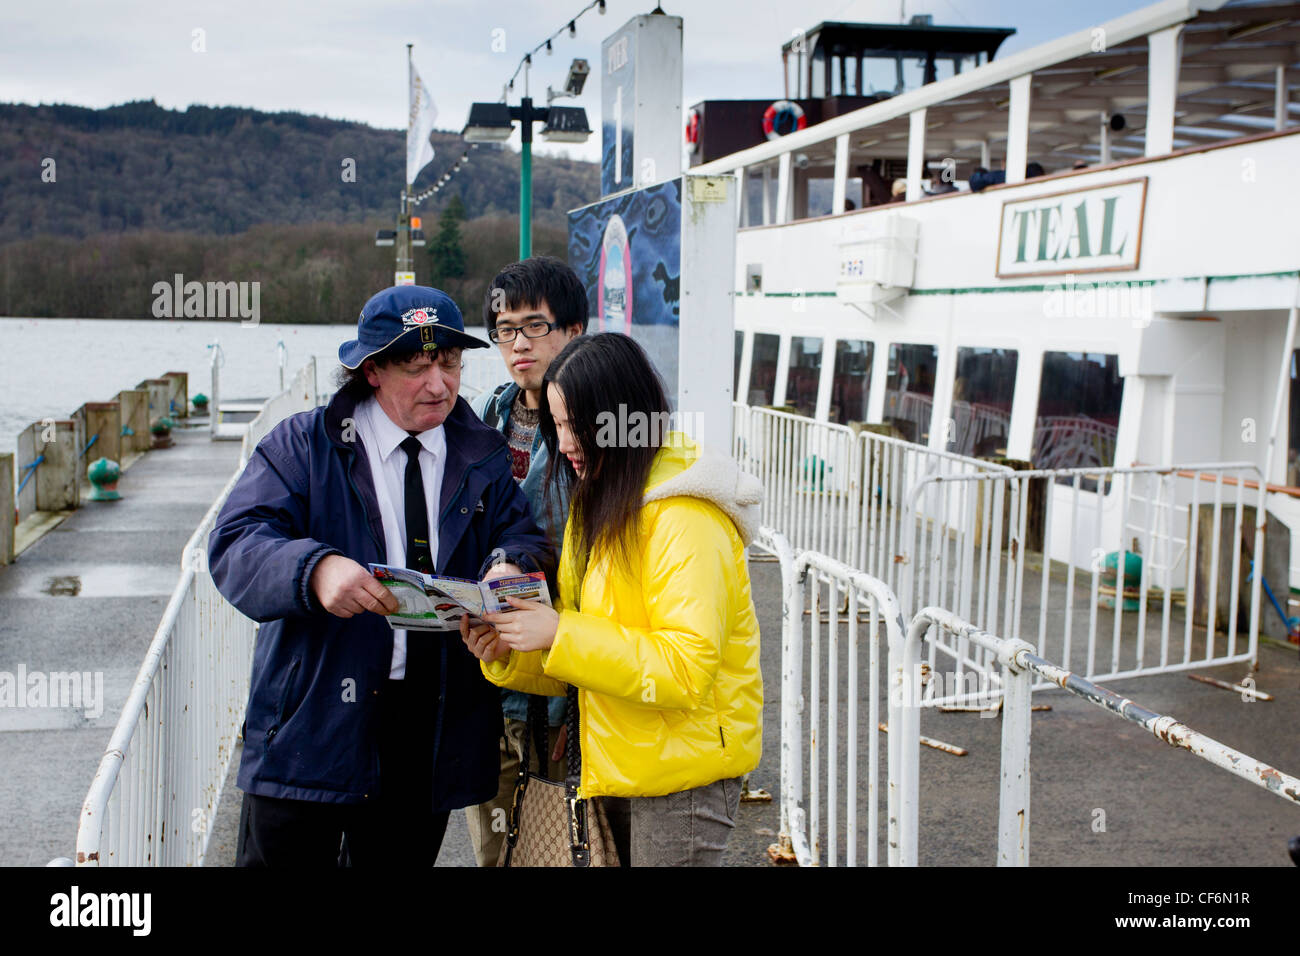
(31,470)
(93,438)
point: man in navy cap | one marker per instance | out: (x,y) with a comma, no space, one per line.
(359,739)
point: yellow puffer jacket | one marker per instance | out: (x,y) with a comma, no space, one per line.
(670,695)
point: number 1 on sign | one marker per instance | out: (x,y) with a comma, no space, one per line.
(618,135)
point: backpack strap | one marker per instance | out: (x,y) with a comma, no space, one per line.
(490,415)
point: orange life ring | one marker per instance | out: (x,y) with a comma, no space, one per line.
(782,118)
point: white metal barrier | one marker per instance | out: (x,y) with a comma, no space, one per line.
(971,542)
(155,793)
(300,396)
(836,491)
(1019,666)
(858,610)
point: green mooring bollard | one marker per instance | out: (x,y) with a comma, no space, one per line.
(104,474)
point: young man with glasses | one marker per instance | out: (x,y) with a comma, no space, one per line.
(360,739)
(532,310)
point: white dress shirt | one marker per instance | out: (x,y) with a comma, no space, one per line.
(382,439)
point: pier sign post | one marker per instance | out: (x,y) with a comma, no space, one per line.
(1084,230)
(641,103)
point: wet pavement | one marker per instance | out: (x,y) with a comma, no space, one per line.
(85,600)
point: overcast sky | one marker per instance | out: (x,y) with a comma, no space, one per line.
(346,58)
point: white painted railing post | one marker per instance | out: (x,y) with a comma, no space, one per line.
(840,187)
(1279,97)
(742,200)
(904,758)
(1018,128)
(791,693)
(784,189)
(1013,799)
(767,194)
(915,153)
(1163,54)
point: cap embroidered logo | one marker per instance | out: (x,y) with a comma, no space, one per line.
(413,318)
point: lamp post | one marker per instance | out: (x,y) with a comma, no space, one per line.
(495,122)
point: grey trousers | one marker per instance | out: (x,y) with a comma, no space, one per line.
(688,828)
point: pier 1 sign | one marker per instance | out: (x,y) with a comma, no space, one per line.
(1083,230)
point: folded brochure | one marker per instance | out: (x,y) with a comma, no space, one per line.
(436,602)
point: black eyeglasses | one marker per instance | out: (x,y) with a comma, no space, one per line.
(533,330)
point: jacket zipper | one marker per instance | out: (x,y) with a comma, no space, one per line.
(382,551)
(284,700)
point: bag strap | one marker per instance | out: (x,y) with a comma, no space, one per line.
(490,415)
(580,846)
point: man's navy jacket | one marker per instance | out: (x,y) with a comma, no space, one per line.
(313,708)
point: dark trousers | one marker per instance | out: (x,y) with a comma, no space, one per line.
(397,827)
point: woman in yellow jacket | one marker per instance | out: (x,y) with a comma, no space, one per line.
(655,623)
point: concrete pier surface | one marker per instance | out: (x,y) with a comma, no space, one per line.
(87,597)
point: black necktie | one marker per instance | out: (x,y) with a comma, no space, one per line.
(418,555)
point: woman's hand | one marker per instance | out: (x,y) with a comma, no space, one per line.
(483,641)
(530,628)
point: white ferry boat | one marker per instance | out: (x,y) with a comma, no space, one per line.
(1093,259)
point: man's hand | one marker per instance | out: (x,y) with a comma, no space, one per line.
(503,570)
(345,588)
(530,628)
(482,641)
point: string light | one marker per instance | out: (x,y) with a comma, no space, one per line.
(571,26)
(445,178)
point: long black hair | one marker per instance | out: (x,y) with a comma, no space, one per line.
(618,412)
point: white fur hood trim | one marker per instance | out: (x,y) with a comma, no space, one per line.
(718,479)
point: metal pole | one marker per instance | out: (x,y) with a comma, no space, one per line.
(1261,515)
(403,244)
(526,179)
(1013,802)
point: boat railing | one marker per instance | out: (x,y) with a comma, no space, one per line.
(1165,59)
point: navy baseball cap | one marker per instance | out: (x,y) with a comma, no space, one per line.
(428,315)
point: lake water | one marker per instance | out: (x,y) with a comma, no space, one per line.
(54,366)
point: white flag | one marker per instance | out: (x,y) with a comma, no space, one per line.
(419,151)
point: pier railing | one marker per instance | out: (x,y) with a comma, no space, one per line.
(835,621)
(1020,668)
(836,491)
(155,793)
(1131,571)
(858,612)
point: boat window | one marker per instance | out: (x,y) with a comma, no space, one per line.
(1078,411)
(909,390)
(851,385)
(804,375)
(981,402)
(762,368)
(740,348)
